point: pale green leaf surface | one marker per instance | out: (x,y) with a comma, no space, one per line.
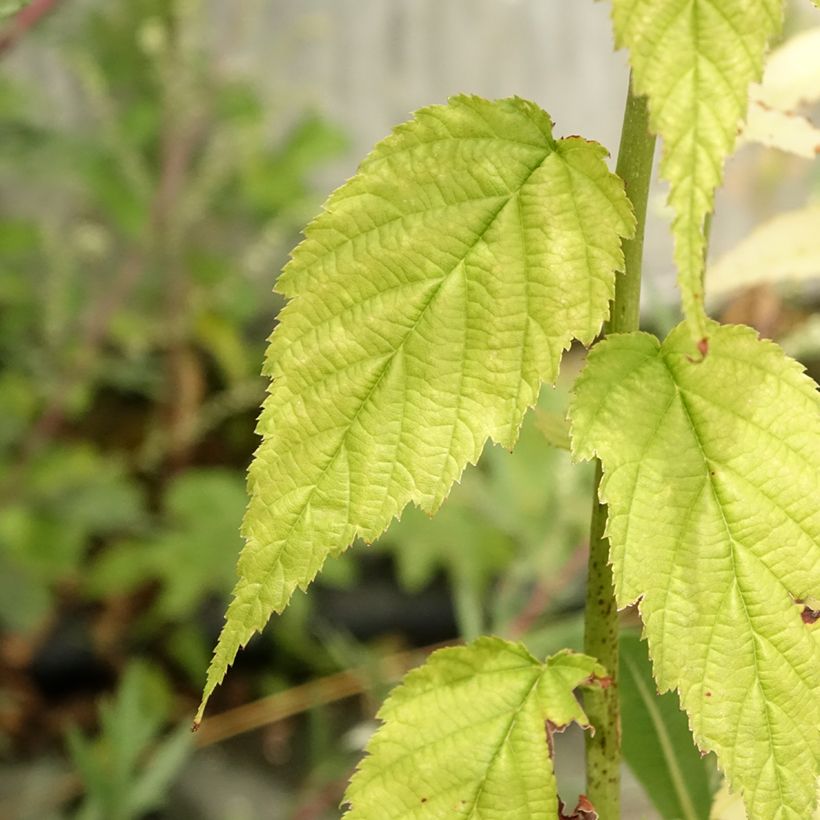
(791,79)
(784,249)
(694,60)
(429,301)
(554,427)
(792,75)
(465,735)
(712,481)
(782,130)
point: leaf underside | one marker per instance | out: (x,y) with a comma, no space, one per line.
(430,299)
(694,61)
(712,481)
(466,735)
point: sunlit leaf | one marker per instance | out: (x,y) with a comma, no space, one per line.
(469,735)
(694,60)
(712,477)
(429,301)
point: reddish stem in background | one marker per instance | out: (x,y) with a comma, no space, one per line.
(25,19)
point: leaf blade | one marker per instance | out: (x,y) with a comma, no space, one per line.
(428,302)
(657,743)
(464,736)
(711,474)
(694,61)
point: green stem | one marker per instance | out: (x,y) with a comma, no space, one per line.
(603,749)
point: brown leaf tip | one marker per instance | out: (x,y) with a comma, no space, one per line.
(584,810)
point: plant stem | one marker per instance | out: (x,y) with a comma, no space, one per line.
(603,749)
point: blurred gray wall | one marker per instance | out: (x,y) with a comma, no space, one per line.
(367,64)
(370,63)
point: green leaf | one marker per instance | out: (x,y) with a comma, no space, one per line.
(469,734)
(787,248)
(129,767)
(657,743)
(554,427)
(192,556)
(694,61)
(711,476)
(10,7)
(428,302)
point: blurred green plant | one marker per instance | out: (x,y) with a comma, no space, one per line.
(128,768)
(10,7)
(145,197)
(149,223)
(71,496)
(133,288)
(188,554)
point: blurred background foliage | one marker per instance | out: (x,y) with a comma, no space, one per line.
(140,238)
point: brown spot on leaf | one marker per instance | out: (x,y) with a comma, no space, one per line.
(703,349)
(810,616)
(708,694)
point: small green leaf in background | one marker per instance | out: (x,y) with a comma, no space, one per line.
(69,495)
(712,478)
(460,542)
(694,62)
(657,743)
(467,735)
(192,556)
(428,302)
(127,769)
(554,427)
(507,527)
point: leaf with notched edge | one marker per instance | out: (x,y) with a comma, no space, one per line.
(712,482)
(468,735)
(429,301)
(694,61)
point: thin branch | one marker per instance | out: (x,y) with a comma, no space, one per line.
(25,19)
(298,699)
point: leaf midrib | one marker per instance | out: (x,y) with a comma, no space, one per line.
(389,361)
(734,543)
